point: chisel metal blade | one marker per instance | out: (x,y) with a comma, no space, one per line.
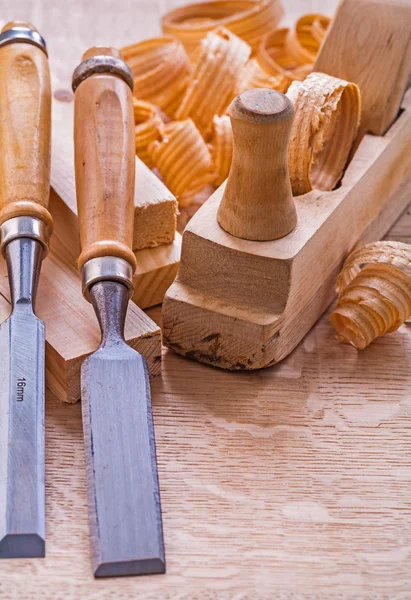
(123,491)
(22,373)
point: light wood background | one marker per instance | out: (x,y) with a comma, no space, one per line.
(290,483)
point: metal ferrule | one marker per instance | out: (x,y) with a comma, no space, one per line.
(24,227)
(106,268)
(24,257)
(23,34)
(102,64)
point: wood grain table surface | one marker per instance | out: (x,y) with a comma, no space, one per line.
(292,483)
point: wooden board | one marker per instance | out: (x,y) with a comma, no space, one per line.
(291,483)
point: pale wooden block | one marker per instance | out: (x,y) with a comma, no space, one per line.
(155,215)
(72,332)
(156,270)
(155,212)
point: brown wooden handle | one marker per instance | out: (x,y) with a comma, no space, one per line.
(257,203)
(25,129)
(105,164)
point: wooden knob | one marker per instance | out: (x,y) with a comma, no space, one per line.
(257,203)
(25,129)
(104,164)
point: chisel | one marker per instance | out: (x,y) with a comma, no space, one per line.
(25,227)
(122,481)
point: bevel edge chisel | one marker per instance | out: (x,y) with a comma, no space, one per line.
(122,481)
(25,228)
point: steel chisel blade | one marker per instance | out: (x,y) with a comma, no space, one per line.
(123,493)
(22,519)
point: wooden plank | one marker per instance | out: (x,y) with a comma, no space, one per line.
(287,483)
(401,230)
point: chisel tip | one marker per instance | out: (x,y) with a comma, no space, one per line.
(22,545)
(149,566)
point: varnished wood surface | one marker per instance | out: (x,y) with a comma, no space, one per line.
(291,483)
(155,207)
(104,151)
(25,126)
(155,241)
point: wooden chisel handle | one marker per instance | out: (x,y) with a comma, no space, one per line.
(104,142)
(25,125)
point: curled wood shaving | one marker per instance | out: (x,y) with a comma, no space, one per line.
(183,159)
(222,147)
(303,40)
(220,36)
(148,127)
(248,19)
(275,59)
(161,70)
(374,290)
(212,86)
(327,117)
(253,76)
(319,27)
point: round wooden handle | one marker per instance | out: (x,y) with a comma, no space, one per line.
(25,129)
(257,203)
(105,164)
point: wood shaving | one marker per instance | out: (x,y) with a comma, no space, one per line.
(148,127)
(253,76)
(161,70)
(248,19)
(374,293)
(222,147)
(183,159)
(220,59)
(304,39)
(327,117)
